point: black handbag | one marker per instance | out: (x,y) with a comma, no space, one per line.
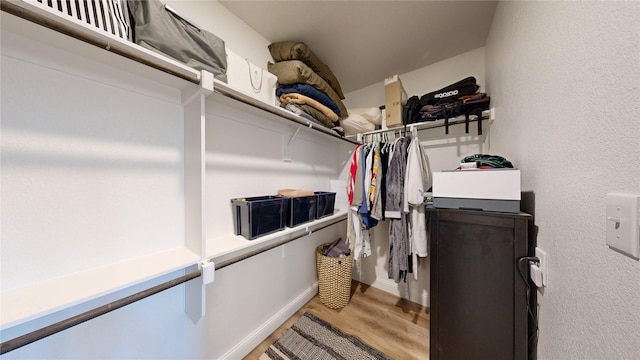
(411,111)
(475,105)
(159,28)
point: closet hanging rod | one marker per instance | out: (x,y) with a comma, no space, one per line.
(222,264)
(401,129)
(41,333)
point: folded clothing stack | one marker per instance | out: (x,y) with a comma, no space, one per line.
(307,86)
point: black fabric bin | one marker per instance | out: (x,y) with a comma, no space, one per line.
(300,210)
(257,216)
(325,202)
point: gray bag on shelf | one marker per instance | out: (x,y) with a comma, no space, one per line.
(336,249)
(159,28)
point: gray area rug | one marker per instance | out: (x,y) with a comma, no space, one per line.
(312,338)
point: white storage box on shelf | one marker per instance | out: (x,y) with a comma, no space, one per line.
(250,79)
(481,189)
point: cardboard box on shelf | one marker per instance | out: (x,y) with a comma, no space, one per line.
(394,99)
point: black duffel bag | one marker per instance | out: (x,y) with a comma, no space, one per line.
(159,28)
(464,87)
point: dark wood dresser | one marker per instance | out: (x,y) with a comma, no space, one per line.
(478,298)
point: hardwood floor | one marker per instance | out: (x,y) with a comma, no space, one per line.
(395,326)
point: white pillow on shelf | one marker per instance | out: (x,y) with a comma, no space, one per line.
(356,123)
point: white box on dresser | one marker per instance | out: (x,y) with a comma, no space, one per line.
(481,189)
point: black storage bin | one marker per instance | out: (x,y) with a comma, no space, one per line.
(300,210)
(325,202)
(257,216)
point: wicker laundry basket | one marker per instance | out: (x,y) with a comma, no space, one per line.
(334,279)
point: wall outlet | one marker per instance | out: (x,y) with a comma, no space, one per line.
(542,255)
(536,274)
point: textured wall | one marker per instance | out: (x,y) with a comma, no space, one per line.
(564,80)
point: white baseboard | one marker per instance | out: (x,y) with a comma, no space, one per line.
(254,339)
(390,286)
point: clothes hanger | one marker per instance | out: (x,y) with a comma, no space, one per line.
(414,132)
(387,143)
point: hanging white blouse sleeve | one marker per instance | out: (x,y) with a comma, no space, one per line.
(417,182)
(417,177)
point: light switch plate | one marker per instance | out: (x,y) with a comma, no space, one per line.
(622,223)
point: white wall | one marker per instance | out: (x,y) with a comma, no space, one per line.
(564,77)
(444,152)
(424,80)
(64,172)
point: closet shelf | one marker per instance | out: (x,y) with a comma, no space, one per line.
(125,55)
(226,90)
(226,250)
(487,115)
(99,46)
(32,301)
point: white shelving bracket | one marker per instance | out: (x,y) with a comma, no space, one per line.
(206,81)
(294,135)
(208,272)
(205,87)
(195,304)
(287,143)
